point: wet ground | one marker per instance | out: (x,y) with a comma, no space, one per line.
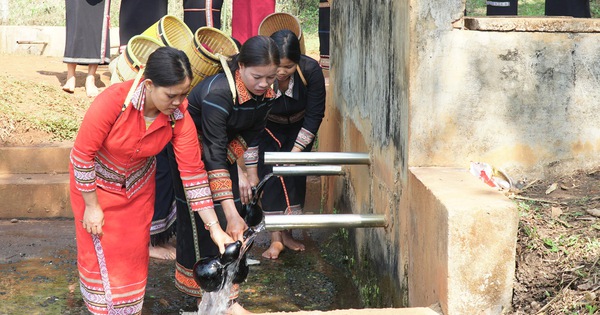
(38,274)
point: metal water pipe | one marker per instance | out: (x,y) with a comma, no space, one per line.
(308,170)
(272,158)
(311,221)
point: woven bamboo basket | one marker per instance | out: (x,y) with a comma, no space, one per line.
(279,21)
(208,44)
(171,31)
(127,65)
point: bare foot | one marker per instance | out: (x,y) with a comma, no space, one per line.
(273,251)
(237,309)
(69,86)
(90,86)
(166,252)
(291,243)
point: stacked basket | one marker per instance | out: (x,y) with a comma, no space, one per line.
(128,64)
(279,21)
(203,49)
(208,45)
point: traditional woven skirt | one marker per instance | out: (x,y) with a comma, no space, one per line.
(199,13)
(193,240)
(247,15)
(87,37)
(163,227)
(124,246)
(136,16)
(281,195)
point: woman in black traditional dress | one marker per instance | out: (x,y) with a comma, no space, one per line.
(291,127)
(87,41)
(229,110)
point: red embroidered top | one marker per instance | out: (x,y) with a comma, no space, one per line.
(115,151)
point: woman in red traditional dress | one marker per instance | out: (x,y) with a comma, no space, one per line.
(246,16)
(112,180)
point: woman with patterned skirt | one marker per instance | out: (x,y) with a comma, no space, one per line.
(87,41)
(229,114)
(112,183)
(199,13)
(291,127)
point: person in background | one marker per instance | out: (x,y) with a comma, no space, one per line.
(199,13)
(87,41)
(112,187)
(291,127)
(136,16)
(247,15)
(228,118)
(574,8)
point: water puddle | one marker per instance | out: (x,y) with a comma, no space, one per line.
(43,278)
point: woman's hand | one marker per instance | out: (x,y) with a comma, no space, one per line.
(93,220)
(235,224)
(245,187)
(219,237)
(93,215)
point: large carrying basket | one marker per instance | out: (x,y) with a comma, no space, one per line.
(279,21)
(127,64)
(209,43)
(171,31)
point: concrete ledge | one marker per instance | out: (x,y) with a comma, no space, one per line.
(563,24)
(41,40)
(35,160)
(34,196)
(463,242)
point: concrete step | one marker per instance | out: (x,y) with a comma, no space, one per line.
(34,196)
(52,159)
(34,183)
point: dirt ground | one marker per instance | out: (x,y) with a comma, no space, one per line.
(557,270)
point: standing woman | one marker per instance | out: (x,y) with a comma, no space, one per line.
(136,16)
(199,13)
(291,127)
(229,110)
(112,183)
(87,41)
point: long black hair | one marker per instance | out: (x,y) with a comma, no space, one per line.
(288,44)
(256,51)
(168,66)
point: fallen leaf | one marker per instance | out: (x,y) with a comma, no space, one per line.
(551,188)
(556,212)
(594,212)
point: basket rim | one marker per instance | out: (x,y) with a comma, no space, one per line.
(281,14)
(226,38)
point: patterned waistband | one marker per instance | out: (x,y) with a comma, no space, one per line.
(286,120)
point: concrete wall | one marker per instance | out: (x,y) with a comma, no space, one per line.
(413,86)
(41,40)
(368,112)
(523,101)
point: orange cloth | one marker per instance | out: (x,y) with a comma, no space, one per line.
(113,154)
